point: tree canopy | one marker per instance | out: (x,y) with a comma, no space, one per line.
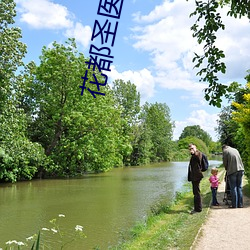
(196,131)
(19,158)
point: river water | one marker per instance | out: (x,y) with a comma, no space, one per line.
(104,204)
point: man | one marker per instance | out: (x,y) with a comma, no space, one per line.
(235,170)
(195,175)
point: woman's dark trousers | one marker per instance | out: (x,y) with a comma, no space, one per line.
(197,196)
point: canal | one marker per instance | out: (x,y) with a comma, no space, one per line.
(106,204)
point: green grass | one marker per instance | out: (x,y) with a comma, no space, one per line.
(170,226)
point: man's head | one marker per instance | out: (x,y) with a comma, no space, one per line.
(192,148)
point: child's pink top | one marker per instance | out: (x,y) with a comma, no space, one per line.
(214,181)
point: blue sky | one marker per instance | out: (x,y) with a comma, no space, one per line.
(153,49)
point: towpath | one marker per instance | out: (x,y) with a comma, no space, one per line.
(225,228)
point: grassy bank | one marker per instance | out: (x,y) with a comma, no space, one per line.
(170,227)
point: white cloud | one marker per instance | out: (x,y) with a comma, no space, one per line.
(43,14)
(159,12)
(234,41)
(208,122)
(165,33)
(143,80)
(81,33)
(170,42)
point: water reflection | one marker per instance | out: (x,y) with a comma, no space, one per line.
(105,204)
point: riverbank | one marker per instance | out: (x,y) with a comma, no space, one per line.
(175,228)
(172,227)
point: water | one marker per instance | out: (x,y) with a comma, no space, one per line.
(104,204)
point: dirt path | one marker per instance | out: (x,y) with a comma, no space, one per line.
(225,228)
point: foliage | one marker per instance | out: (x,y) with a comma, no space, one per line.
(241,115)
(79,133)
(196,131)
(215,148)
(227,127)
(142,145)
(201,146)
(156,120)
(233,123)
(20,157)
(12,50)
(127,98)
(205,28)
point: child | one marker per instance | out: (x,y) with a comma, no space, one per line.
(214,185)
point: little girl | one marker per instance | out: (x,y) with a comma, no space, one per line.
(214,185)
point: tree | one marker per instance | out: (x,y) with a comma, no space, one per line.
(20,158)
(128,100)
(229,130)
(12,50)
(196,131)
(242,117)
(142,145)
(183,144)
(227,127)
(79,133)
(157,121)
(208,23)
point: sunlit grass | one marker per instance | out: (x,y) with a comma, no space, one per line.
(170,226)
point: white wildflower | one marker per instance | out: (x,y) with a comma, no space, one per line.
(20,243)
(29,238)
(10,242)
(61,215)
(54,230)
(45,229)
(78,228)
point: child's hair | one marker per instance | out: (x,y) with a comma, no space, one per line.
(214,170)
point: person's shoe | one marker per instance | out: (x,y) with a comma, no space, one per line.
(231,206)
(241,206)
(194,212)
(217,204)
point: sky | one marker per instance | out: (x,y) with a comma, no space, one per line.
(153,48)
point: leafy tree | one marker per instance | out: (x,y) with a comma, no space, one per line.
(128,100)
(215,147)
(183,144)
(12,50)
(19,157)
(79,133)
(142,145)
(227,127)
(157,121)
(208,23)
(241,116)
(232,123)
(196,131)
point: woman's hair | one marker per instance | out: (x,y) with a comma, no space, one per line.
(214,170)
